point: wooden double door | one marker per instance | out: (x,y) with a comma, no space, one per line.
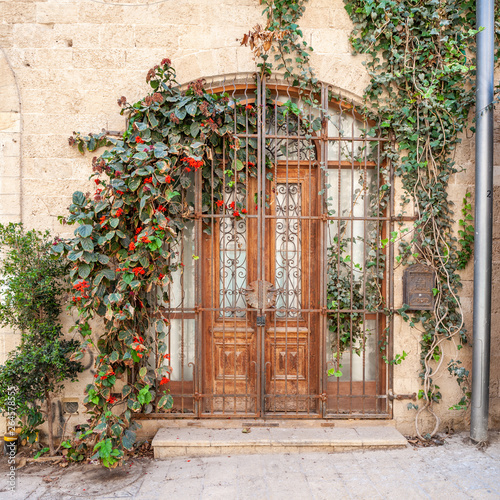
(261,288)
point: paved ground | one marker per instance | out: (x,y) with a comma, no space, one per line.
(455,470)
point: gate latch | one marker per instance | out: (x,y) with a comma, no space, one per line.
(261,321)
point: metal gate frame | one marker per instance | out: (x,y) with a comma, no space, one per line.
(191,396)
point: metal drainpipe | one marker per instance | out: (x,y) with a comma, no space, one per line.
(483,222)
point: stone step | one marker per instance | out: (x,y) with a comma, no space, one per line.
(185,441)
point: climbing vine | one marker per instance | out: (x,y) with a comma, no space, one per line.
(420,60)
(279,46)
(421,86)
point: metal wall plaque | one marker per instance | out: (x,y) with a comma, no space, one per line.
(261,294)
(418,282)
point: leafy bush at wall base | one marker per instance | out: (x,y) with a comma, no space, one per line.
(36,369)
(32,283)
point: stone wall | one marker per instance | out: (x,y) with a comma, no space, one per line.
(64,63)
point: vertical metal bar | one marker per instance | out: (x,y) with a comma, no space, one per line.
(351,263)
(483,221)
(287,237)
(262,247)
(235,251)
(215,278)
(275,204)
(321,300)
(198,296)
(247,230)
(366,194)
(183,311)
(339,228)
(390,290)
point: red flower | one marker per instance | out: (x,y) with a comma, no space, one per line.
(102,219)
(145,239)
(138,230)
(196,164)
(118,212)
(111,400)
(97,181)
(81,285)
(148,179)
(248,107)
(231,205)
(236,213)
(131,247)
(244,211)
(119,192)
(168,179)
(167,356)
(98,191)
(139,140)
(161,276)
(219,203)
(138,270)
(165,380)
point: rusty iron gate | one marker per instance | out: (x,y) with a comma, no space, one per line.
(279,309)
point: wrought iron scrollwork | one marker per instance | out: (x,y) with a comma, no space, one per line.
(288,249)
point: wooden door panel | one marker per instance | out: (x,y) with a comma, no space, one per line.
(291,339)
(240,356)
(234,384)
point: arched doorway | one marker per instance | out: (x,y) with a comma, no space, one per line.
(280,308)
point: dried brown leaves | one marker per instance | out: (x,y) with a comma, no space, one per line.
(261,40)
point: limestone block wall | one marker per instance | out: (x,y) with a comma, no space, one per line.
(64,64)
(495,302)
(10,166)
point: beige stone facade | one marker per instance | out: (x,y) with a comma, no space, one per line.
(64,63)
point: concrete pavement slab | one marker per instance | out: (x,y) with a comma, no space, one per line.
(455,470)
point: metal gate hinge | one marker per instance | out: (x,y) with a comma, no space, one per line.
(261,321)
(399,397)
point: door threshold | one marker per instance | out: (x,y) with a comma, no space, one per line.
(151,426)
(175,442)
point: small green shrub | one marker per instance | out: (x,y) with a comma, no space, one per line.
(31,283)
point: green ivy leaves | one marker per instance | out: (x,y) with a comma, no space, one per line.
(421,93)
